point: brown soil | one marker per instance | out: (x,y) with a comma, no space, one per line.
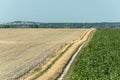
(22,50)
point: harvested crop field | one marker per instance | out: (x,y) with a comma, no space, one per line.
(21,50)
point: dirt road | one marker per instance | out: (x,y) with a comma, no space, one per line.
(57,67)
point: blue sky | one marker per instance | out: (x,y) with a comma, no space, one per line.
(60,10)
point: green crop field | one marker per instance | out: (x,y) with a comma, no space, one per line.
(100,59)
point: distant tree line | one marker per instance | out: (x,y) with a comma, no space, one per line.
(59,25)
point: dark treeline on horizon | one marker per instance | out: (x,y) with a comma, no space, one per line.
(21,24)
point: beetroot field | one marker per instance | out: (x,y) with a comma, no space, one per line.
(100,59)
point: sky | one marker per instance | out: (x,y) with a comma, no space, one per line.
(60,10)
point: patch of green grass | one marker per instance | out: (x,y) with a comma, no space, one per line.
(37,69)
(100,59)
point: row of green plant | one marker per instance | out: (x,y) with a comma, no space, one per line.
(100,59)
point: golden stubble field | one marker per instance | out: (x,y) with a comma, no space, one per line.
(21,50)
